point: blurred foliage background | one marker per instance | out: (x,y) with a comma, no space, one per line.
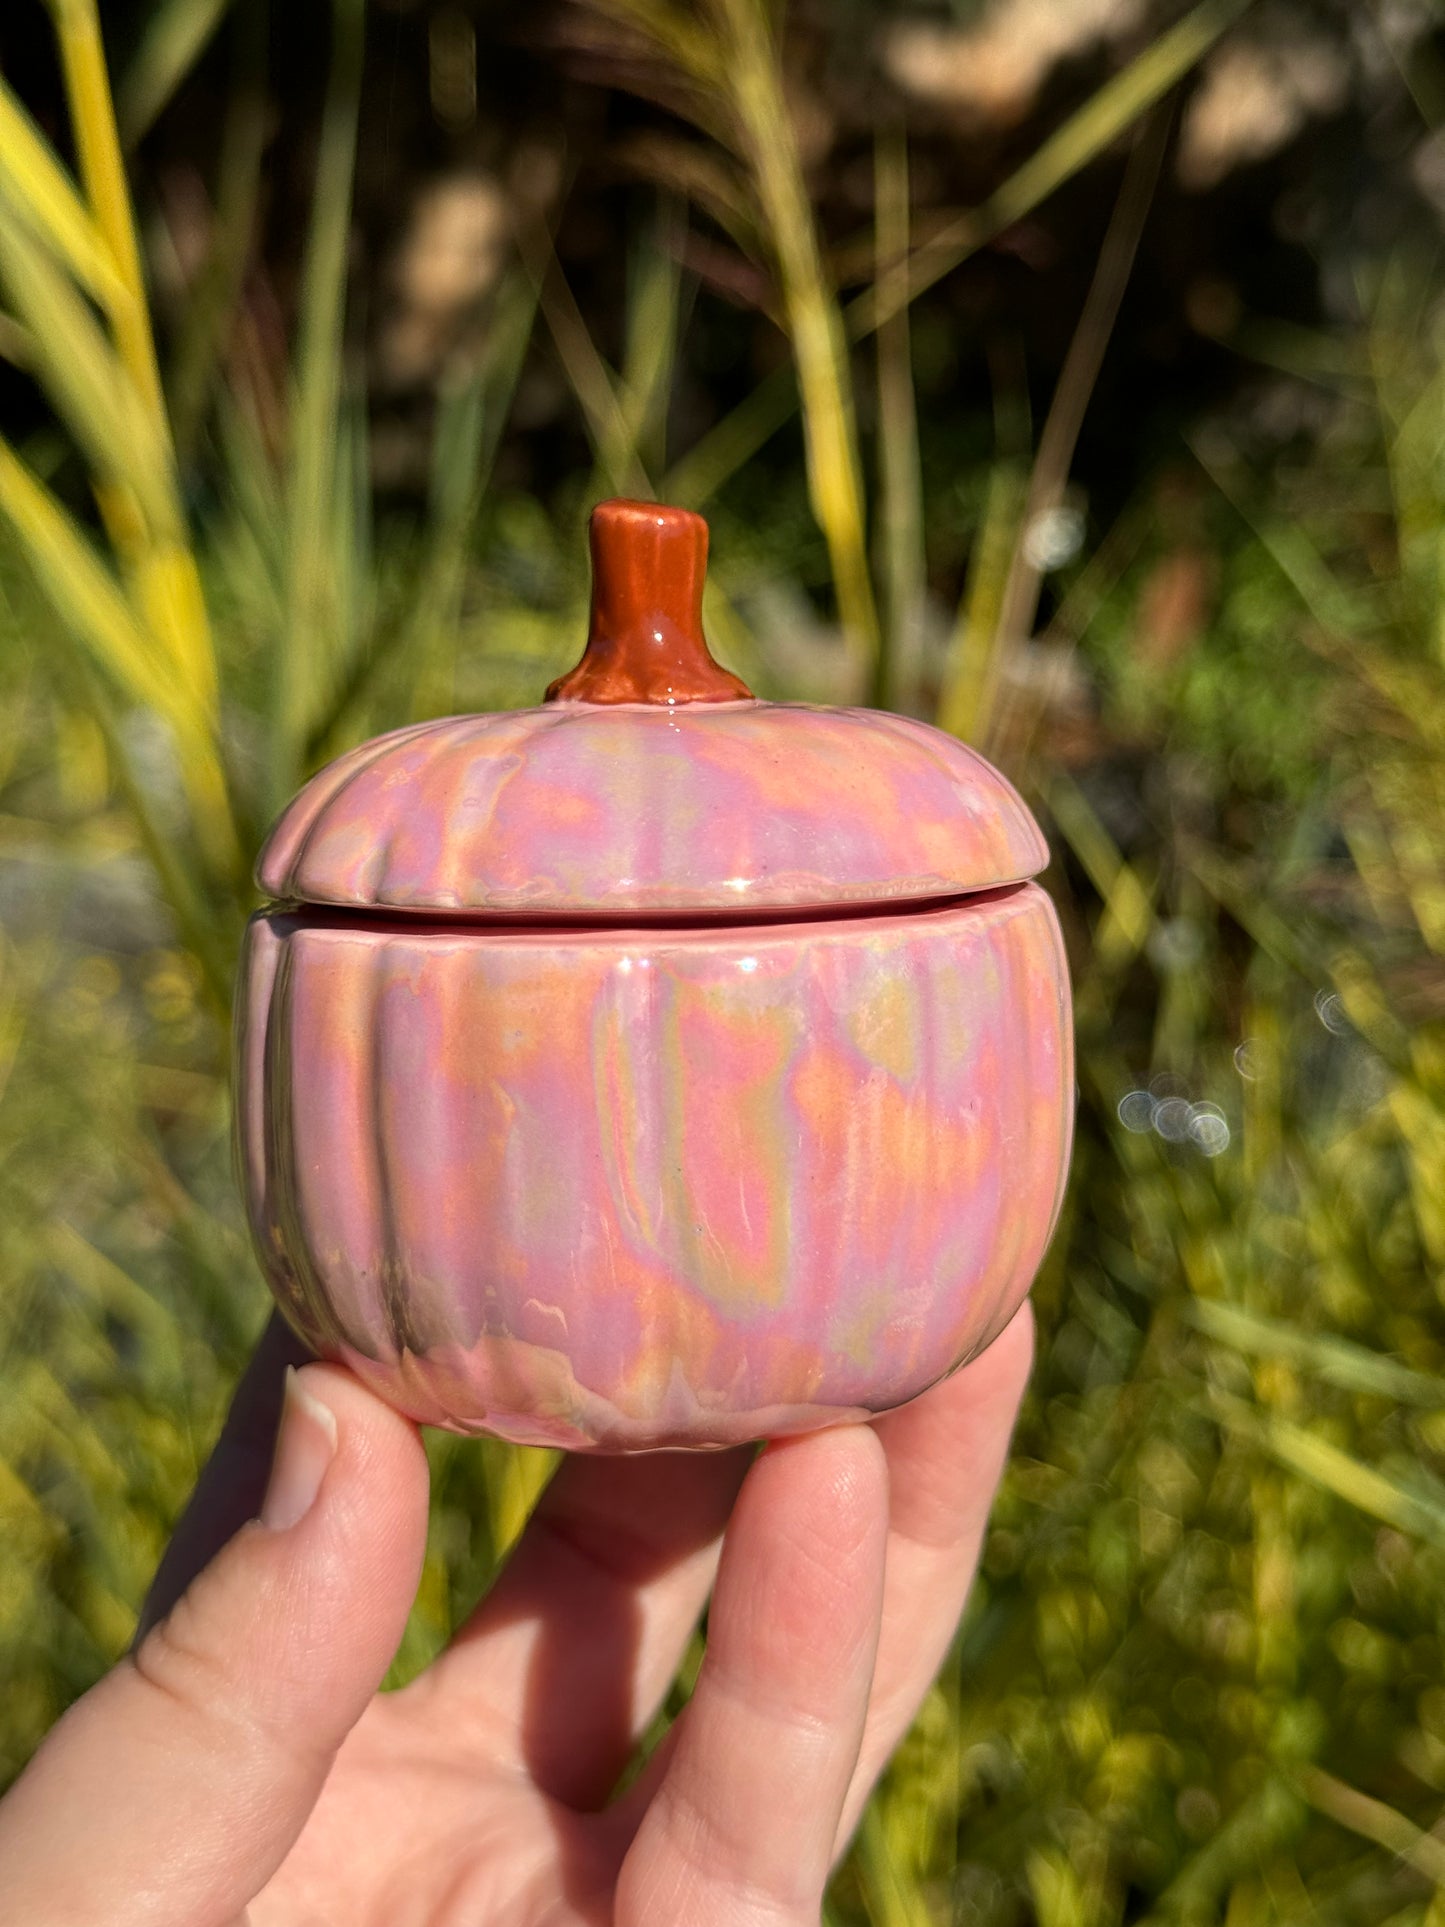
(1071,376)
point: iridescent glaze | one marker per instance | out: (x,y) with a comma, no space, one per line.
(581,809)
(626,1188)
(658,1067)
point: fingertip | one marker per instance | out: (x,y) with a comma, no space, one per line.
(848,1441)
(371,1435)
(837,1477)
(371,1516)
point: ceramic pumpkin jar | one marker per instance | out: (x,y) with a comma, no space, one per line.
(658,1066)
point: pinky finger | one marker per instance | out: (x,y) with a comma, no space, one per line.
(741,1826)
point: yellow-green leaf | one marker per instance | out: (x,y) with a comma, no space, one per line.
(81,588)
(36,187)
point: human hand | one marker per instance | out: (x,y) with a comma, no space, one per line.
(240,1763)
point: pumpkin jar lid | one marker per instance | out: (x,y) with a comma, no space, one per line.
(651,782)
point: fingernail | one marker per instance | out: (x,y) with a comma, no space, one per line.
(305,1446)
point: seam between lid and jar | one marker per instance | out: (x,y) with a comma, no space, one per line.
(388,919)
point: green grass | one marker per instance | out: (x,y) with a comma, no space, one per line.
(1202,1677)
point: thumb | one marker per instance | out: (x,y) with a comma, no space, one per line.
(174,1789)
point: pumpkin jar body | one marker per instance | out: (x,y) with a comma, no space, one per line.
(622,1074)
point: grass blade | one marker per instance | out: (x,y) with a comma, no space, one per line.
(969,673)
(212,305)
(310,647)
(91,388)
(36,187)
(1128,915)
(1351,1368)
(1373,1820)
(469,432)
(81,588)
(1110,112)
(901,477)
(731,444)
(592,382)
(1334,1470)
(175,37)
(1078,378)
(164,568)
(96,397)
(102,173)
(753,71)
(93,608)
(1082,138)
(893,1898)
(1340,611)
(687,45)
(653,309)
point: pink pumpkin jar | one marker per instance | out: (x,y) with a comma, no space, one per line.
(657,1067)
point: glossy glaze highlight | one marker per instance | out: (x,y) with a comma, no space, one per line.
(620,1189)
(583,809)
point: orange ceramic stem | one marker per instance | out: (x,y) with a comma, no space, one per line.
(646,644)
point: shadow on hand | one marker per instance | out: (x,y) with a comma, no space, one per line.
(591,1570)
